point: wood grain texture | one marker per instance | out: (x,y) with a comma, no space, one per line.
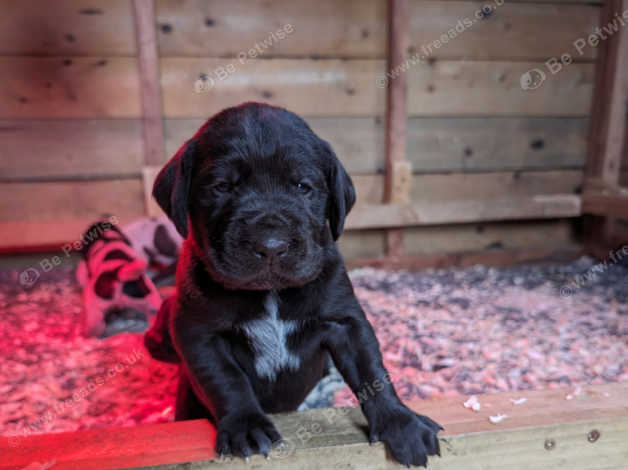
(512,31)
(362,243)
(442,144)
(86,148)
(351,28)
(307,87)
(59,201)
(477,144)
(79,87)
(356,28)
(609,129)
(72,28)
(99,449)
(397,173)
(493,258)
(148,61)
(470,239)
(491,186)
(39,236)
(435,188)
(609,124)
(464,211)
(336,438)
(478,237)
(494,88)
(351,89)
(609,205)
(39,149)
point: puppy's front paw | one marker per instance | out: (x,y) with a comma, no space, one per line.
(246,433)
(410,437)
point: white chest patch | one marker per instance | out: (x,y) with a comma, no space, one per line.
(268,337)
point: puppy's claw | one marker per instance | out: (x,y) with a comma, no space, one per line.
(246,459)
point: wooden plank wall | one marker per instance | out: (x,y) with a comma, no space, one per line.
(70,108)
(473,132)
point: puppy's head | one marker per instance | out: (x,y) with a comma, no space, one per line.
(261,196)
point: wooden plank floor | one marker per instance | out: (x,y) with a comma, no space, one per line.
(588,431)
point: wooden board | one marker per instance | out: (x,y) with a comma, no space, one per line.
(59,201)
(152,121)
(353,87)
(442,144)
(547,431)
(463,211)
(497,237)
(226,28)
(77,203)
(435,188)
(362,243)
(51,149)
(609,127)
(494,88)
(610,205)
(308,87)
(38,236)
(500,237)
(101,449)
(73,28)
(397,172)
(491,186)
(79,87)
(480,144)
(356,29)
(493,258)
(512,31)
(102,148)
(609,124)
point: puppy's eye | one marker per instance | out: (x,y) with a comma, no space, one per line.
(303,187)
(221,187)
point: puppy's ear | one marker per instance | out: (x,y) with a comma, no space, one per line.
(341,191)
(172,186)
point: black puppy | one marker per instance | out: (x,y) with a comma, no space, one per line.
(263,298)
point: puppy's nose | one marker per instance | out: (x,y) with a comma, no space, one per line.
(270,248)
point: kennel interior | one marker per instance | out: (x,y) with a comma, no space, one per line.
(486,141)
